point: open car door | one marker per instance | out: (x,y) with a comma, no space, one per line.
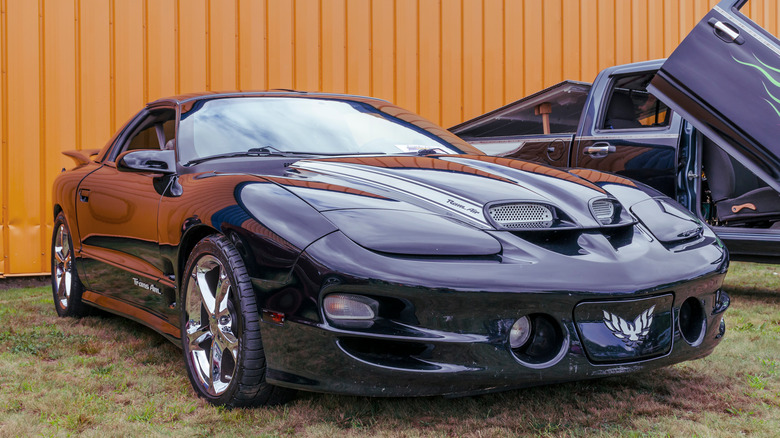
(724,78)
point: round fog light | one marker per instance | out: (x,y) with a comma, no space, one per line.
(520,332)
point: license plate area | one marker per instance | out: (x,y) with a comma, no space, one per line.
(625,330)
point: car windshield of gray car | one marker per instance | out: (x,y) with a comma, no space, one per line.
(264,126)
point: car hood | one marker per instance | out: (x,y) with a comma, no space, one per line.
(460,187)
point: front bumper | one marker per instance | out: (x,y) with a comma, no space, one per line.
(447,321)
(460,344)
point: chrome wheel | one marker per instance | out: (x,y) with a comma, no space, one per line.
(62,265)
(213,345)
(220,328)
(65,284)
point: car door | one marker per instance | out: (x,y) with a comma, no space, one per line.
(117,218)
(628,131)
(724,78)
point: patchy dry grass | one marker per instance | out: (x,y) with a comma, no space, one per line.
(106,376)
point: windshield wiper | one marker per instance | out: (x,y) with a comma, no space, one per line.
(270,151)
(430,151)
(265,151)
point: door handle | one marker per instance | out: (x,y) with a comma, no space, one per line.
(84,195)
(725,31)
(599,150)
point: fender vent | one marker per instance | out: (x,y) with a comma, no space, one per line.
(521,216)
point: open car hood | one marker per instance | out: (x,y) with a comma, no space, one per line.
(724,78)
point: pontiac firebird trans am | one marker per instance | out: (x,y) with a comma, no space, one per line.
(341,244)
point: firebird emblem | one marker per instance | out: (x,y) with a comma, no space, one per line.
(634,333)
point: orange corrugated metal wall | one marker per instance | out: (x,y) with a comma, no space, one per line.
(73,71)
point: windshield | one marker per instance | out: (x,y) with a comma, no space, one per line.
(292,125)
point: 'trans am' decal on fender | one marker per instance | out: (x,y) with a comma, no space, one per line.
(147,286)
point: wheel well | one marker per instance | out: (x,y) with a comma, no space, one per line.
(188,242)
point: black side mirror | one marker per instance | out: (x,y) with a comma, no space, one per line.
(147,160)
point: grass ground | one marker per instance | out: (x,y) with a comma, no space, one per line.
(106,376)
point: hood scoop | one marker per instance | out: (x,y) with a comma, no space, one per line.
(521,215)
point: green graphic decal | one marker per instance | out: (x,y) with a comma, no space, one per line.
(773,98)
(767,71)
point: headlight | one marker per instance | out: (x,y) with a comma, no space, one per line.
(668,222)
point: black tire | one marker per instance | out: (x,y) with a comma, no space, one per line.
(217,288)
(65,284)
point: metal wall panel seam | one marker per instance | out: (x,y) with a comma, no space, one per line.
(112,61)
(395,51)
(237,37)
(462,59)
(563,40)
(542,64)
(484,57)
(4,180)
(208,44)
(504,99)
(441,62)
(417,55)
(145,45)
(267,46)
(42,127)
(77,30)
(371,47)
(294,36)
(177,48)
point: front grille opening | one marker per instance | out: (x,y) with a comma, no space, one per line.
(619,236)
(691,321)
(387,353)
(560,241)
(397,309)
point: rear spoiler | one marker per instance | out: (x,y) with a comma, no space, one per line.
(81,157)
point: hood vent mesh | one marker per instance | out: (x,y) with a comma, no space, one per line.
(604,210)
(521,216)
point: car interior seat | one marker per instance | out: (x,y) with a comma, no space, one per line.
(621,113)
(738,194)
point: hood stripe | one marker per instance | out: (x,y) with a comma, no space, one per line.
(461,206)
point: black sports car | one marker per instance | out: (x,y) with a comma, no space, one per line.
(341,244)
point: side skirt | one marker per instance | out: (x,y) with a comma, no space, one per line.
(160,325)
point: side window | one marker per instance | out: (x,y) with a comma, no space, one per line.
(145,139)
(153,132)
(169,133)
(555,110)
(630,106)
